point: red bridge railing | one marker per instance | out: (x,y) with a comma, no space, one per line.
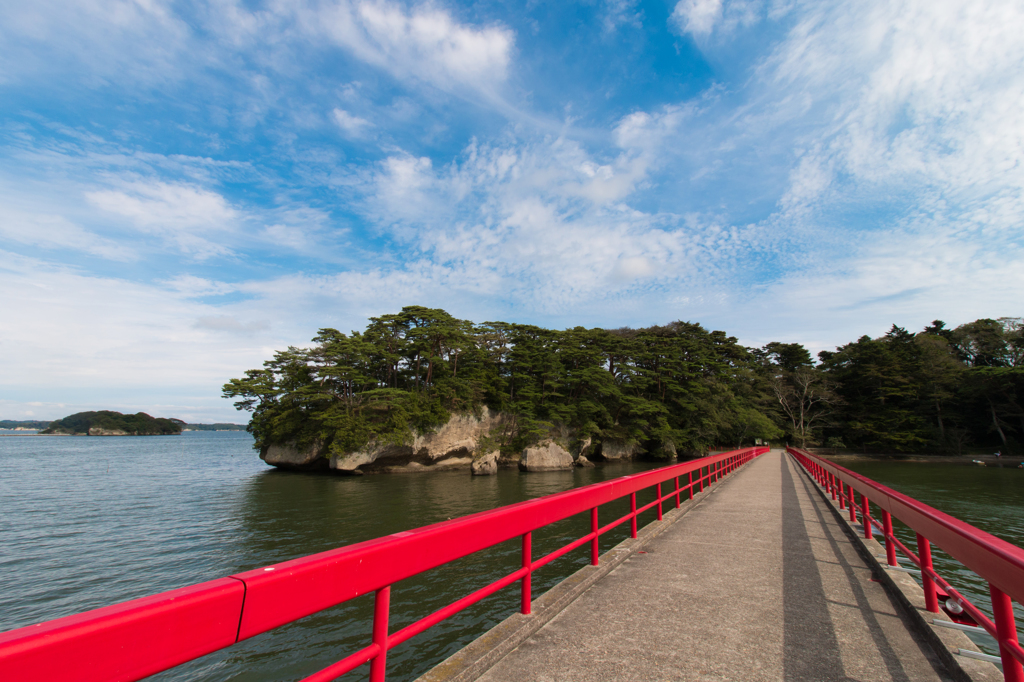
(134,639)
(998,562)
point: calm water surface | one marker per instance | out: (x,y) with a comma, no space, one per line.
(990,498)
(89,522)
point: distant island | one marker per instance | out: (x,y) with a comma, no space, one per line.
(214,427)
(23,425)
(78,425)
(108,423)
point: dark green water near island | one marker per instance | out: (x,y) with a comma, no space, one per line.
(990,498)
(89,522)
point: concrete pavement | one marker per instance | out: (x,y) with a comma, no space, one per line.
(758,582)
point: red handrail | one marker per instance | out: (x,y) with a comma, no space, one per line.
(134,639)
(997,561)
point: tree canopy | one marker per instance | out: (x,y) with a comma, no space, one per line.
(138,424)
(667,388)
(670,389)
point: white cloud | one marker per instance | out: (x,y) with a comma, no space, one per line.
(425,43)
(180,213)
(123,40)
(622,13)
(351,125)
(912,95)
(50,231)
(697,16)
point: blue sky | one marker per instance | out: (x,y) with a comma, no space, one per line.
(185,187)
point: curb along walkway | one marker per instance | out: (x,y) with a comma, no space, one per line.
(758,582)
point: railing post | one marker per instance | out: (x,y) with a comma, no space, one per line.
(842,495)
(924,552)
(690,487)
(1006,633)
(832,486)
(851,503)
(658,490)
(865,515)
(676,479)
(381,606)
(890,546)
(593,543)
(525,599)
(632,512)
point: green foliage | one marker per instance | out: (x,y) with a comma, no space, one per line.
(139,424)
(23,424)
(938,390)
(671,388)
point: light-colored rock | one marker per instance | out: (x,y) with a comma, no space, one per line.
(486,465)
(291,456)
(546,456)
(583,462)
(97,431)
(450,447)
(582,448)
(616,449)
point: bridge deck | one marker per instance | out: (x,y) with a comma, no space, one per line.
(759,582)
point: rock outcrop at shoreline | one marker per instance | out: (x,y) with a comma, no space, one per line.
(546,456)
(466,441)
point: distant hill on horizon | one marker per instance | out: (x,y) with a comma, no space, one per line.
(219,426)
(23,424)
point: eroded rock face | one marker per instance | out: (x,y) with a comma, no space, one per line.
(547,456)
(450,447)
(97,431)
(614,449)
(486,465)
(291,456)
(582,461)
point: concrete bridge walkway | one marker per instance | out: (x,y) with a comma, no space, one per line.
(758,582)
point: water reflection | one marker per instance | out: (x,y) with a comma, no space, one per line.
(287,515)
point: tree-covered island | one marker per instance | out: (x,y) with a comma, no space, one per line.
(108,423)
(421,388)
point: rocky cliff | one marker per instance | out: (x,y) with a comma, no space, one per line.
(465,442)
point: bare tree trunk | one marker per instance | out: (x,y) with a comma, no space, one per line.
(995,421)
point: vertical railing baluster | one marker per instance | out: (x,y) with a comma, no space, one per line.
(890,546)
(658,491)
(842,495)
(676,479)
(632,512)
(593,542)
(1006,633)
(526,597)
(865,515)
(851,503)
(832,485)
(690,486)
(924,552)
(381,606)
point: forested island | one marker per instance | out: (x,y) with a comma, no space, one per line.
(420,387)
(108,423)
